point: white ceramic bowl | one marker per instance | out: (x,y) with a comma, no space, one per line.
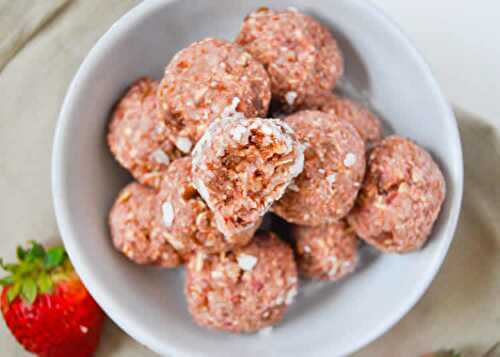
(333,320)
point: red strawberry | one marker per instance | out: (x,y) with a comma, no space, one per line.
(46,306)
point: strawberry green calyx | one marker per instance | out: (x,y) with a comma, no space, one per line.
(36,272)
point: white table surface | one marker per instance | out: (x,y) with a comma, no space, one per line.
(459,38)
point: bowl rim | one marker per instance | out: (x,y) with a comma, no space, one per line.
(100,293)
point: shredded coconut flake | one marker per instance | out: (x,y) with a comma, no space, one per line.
(416,175)
(290,296)
(294,187)
(200,258)
(335,266)
(246,262)
(266,129)
(290,97)
(160,157)
(214,107)
(168,213)
(202,189)
(231,112)
(350,159)
(216,274)
(331,178)
(183,144)
(177,244)
(321,171)
(298,165)
(307,249)
(221,226)
(238,132)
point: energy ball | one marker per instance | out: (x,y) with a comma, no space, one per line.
(244,290)
(400,198)
(241,166)
(334,166)
(138,135)
(300,54)
(132,222)
(366,123)
(209,79)
(327,252)
(184,219)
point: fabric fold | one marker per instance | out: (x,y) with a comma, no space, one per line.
(20,20)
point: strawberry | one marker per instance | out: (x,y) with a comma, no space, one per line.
(46,306)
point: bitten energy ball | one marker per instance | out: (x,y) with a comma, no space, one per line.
(131,222)
(300,55)
(327,252)
(365,122)
(401,197)
(241,166)
(185,220)
(243,290)
(209,79)
(334,165)
(138,134)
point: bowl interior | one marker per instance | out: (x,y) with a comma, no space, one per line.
(329,319)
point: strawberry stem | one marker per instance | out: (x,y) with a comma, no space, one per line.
(36,271)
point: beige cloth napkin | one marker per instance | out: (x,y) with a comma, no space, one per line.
(20,20)
(462,307)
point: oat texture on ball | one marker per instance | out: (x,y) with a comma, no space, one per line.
(334,165)
(327,252)
(132,222)
(366,123)
(210,79)
(401,197)
(241,166)
(211,158)
(184,219)
(300,54)
(244,290)
(138,134)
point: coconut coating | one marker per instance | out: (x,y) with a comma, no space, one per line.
(132,222)
(184,219)
(300,54)
(209,79)
(401,197)
(334,165)
(366,123)
(241,166)
(138,135)
(327,252)
(243,290)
